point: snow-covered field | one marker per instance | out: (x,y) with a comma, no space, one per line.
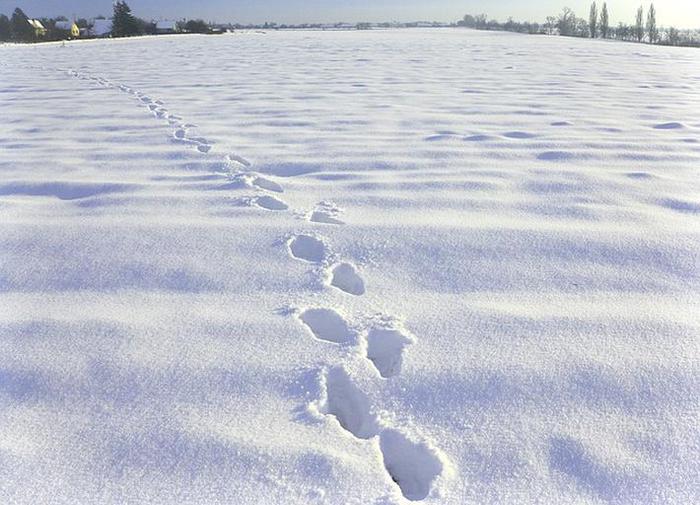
(349,267)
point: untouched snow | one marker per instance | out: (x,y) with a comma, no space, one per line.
(363,268)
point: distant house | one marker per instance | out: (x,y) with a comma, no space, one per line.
(39,29)
(102,28)
(69,26)
(166,26)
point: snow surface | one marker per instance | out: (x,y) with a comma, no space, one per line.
(360,268)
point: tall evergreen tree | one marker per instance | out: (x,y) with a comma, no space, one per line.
(652,30)
(639,25)
(593,21)
(21,30)
(604,21)
(124,24)
(5,31)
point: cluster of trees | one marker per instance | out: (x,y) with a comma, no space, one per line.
(125,24)
(597,25)
(194,26)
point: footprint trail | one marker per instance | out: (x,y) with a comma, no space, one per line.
(410,462)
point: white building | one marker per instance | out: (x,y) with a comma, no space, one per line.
(166,26)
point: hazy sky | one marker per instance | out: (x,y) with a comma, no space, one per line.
(682,13)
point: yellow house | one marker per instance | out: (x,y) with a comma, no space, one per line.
(69,27)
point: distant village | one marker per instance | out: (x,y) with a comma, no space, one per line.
(23,28)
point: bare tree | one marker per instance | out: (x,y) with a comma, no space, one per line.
(639,25)
(604,21)
(567,22)
(550,24)
(593,21)
(652,30)
(674,36)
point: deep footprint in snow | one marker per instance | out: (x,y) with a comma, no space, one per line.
(307,248)
(344,276)
(267,184)
(350,406)
(385,348)
(319,216)
(203,148)
(328,325)
(412,465)
(233,158)
(325,213)
(180,134)
(270,203)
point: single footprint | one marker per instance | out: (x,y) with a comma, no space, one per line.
(414,466)
(203,148)
(267,184)
(270,203)
(344,276)
(307,248)
(385,350)
(325,213)
(320,216)
(350,406)
(233,158)
(328,325)
(180,134)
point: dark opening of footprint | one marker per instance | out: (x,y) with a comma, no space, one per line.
(307,248)
(344,276)
(327,324)
(412,465)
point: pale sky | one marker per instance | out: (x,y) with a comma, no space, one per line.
(680,13)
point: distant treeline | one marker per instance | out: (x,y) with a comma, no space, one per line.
(21,28)
(596,26)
